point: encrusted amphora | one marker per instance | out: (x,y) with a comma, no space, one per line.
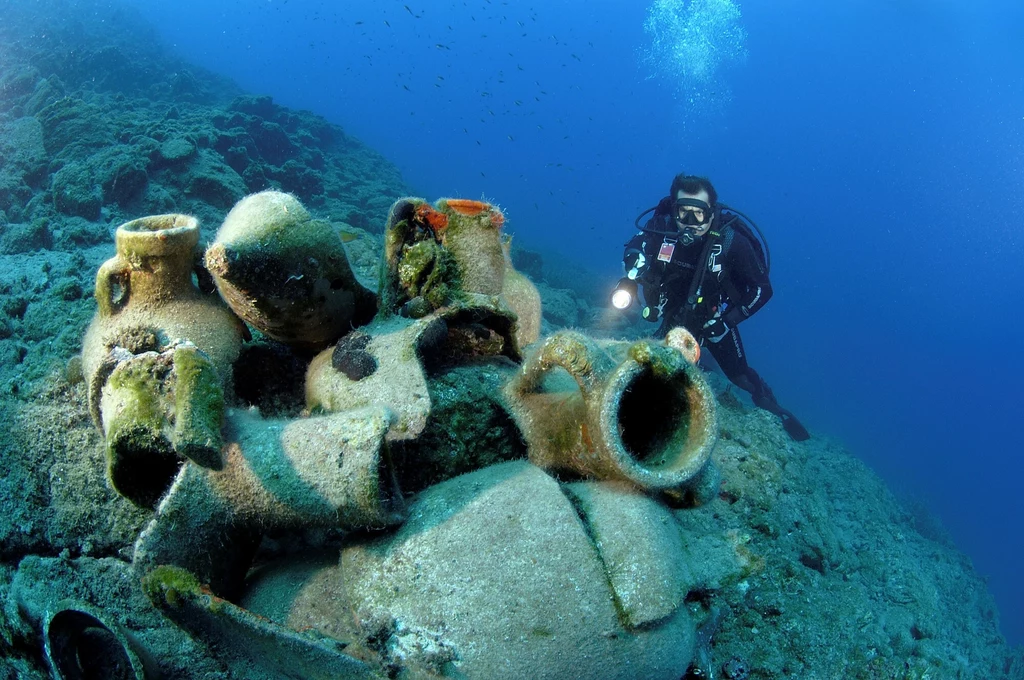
(157,356)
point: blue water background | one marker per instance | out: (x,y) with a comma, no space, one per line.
(878,144)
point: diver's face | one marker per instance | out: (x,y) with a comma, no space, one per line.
(694,217)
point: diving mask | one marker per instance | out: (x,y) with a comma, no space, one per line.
(692,217)
(699,212)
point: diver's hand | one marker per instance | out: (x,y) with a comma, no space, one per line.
(715,329)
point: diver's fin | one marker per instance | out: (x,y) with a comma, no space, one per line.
(794,428)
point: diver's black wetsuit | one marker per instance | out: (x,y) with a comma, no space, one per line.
(733,287)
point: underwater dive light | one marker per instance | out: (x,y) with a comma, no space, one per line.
(624,293)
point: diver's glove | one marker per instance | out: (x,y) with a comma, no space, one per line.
(734,315)
(715,329)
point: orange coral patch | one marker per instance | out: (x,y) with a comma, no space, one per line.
(466,206)
(437,221)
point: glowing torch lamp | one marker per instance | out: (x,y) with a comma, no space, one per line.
(624,293)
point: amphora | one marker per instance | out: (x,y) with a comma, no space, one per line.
(151,316)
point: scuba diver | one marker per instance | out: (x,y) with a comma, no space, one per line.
(700,266)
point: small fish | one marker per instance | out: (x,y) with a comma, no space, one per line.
(347,236)
(359,23)
(407,9)
(387,24)
(511,138)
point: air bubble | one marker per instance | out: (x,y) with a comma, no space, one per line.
(691,43)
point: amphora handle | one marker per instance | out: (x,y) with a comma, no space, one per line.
(109,299)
